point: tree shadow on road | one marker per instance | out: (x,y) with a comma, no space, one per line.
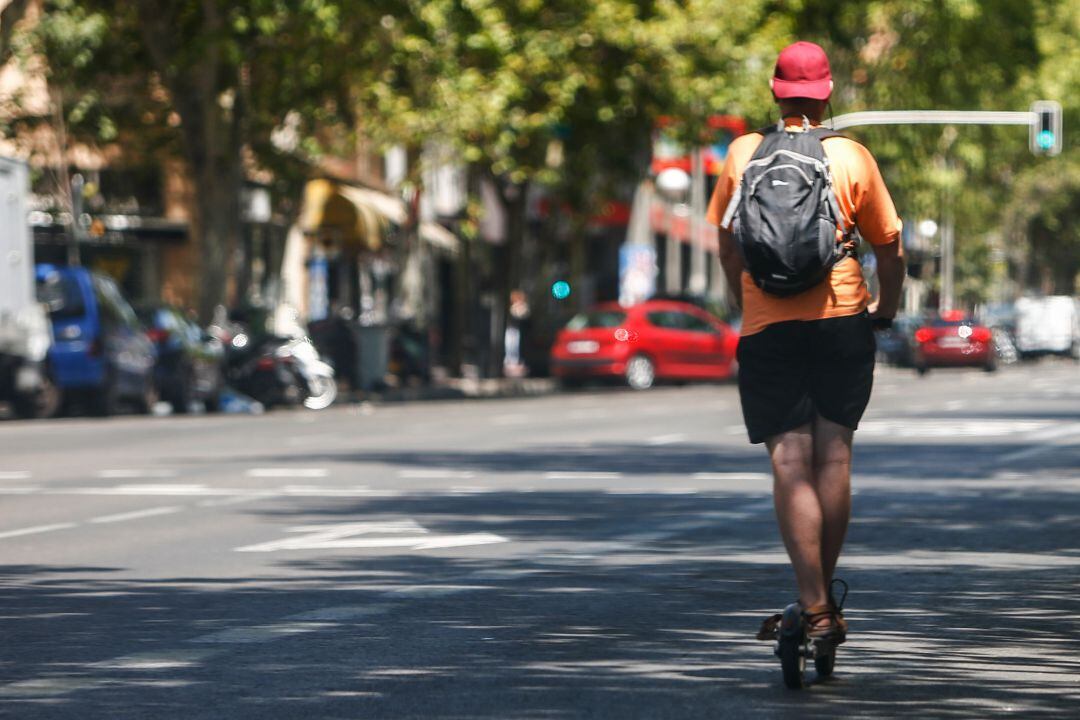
(608,606)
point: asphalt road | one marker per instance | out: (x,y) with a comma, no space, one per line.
(591,555)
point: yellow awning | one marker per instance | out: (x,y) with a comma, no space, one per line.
(331,209)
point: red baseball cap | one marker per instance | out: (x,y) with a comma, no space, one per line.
(802,70)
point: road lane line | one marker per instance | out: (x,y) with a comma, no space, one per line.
(15,475)
(134,473)
(138,514)
(731,476)
(238,499)
(435,474)
(671,439)
(36,530)
(279,472)
(582,475)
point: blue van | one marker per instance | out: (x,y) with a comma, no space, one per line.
(99,350)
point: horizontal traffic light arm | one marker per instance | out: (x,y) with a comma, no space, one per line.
(931,117)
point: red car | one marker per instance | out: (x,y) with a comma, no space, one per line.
(954,340)
(658,339)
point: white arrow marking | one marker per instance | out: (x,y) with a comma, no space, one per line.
(405,533)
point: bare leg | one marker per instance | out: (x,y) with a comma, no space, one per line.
(798,509)
(832,480)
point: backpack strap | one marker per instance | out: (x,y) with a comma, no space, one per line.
(824,133)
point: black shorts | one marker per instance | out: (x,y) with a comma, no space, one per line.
(791,371)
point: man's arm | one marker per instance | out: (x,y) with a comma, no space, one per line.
(732,263)
(891,270)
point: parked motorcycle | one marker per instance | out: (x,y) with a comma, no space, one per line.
(279,370)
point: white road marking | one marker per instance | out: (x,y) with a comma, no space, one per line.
(238,499)
(449,541)
(147,489)
(666,439)
(1047,443)
(732,476)
(582,475)
(132,473)
(955,405)
(403,533)
(161,660)
(138,514)
(324,491)
(287,473)
(435,474)
(959,427)
(36,530)
(15,475)
(469,490)
(20,490)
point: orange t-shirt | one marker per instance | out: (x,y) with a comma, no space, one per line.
(864,202)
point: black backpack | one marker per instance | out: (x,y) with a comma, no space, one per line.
(784,214)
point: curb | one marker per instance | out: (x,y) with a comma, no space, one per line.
(461,389)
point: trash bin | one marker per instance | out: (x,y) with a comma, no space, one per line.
(373,360)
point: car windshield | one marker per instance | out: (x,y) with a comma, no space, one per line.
(62,295)
(596,319)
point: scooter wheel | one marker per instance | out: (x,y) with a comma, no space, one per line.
(824,664)
(792,662)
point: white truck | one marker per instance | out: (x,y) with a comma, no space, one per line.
(1048,325)
(25,332)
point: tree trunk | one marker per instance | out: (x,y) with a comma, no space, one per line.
(210,126)
(217,228)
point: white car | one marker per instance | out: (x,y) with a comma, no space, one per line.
(1048,325)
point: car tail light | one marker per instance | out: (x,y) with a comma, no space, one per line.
(157,335)
(924,335)
(981,334)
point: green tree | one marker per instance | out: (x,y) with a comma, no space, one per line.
(209,79)
(511,84)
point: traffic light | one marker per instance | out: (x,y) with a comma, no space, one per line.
(1045,135)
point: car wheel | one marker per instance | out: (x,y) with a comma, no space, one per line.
(45,403)
(149,397)
(640,373)
(922,369)
(991,364)
(105,399)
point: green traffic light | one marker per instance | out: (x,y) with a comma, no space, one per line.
(1045,139)
(561,290)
